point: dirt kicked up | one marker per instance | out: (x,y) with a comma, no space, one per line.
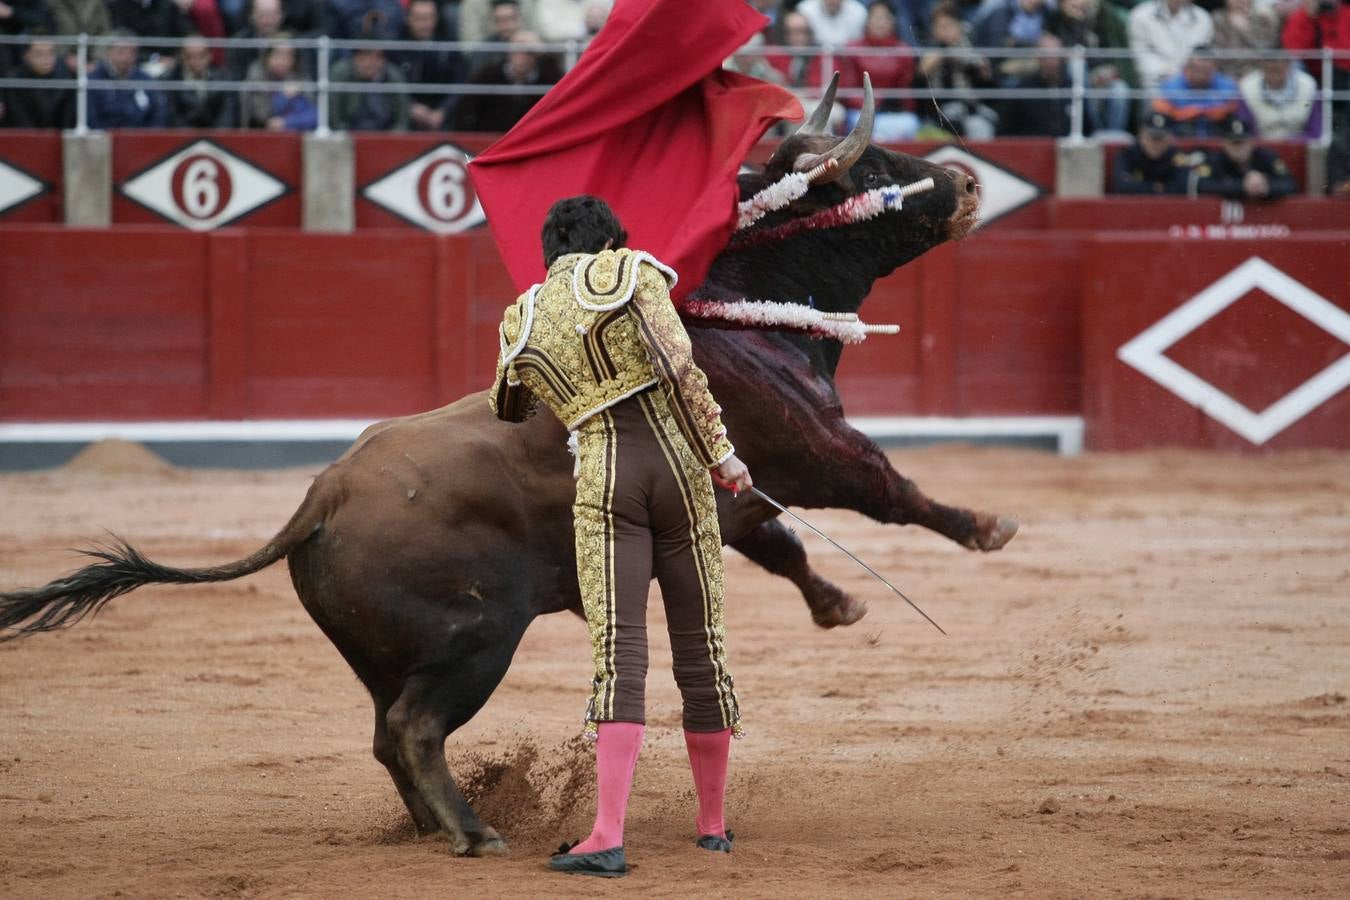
(1145,694)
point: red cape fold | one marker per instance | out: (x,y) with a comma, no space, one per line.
(648,120)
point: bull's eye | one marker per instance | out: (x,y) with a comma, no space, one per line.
(872,180)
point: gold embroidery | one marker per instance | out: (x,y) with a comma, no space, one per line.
(706,539)
(685,385)
(584,359)
(596,456)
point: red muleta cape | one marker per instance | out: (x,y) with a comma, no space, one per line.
(649,121)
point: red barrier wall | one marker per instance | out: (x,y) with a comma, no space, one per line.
(264,323)
(36,155)
(1296,214)
(1245,354)
(98,324)
(143,322)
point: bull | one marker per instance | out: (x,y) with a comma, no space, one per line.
(426,550)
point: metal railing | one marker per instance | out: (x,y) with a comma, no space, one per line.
(1078,89)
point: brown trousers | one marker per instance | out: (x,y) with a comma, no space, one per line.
(645,507)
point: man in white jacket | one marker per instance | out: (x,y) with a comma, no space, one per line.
(835,23)
(1162,35)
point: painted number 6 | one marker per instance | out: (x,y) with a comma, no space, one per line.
(201,188)
(444,195)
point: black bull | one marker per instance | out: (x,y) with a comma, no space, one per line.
(428,548)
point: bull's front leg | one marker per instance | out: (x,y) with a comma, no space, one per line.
(775,547)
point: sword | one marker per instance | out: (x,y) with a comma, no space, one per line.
(783,509)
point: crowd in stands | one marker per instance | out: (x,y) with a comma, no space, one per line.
(945,52)
(276,77)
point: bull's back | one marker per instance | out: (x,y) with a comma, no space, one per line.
(434,517)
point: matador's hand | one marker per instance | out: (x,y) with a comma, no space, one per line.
(733,475)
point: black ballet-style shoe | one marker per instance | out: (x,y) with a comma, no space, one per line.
(715,843)
(609,863)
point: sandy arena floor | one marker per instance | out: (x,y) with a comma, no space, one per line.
(1144,695)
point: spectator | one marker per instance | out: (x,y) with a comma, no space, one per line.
(150,19)
(953,65)
(749,60)
(203,106)
(428,112)
(771,10)
(560,20)
(277,104)
(1239,26)
(21,17)
(1097,24)
(383,111)
(1280,102)
(299,17)
(373,20)
(801,69)
(303,17)
(1200,99)
(597,13)
(895,120)
(89,17)
(1240,170)
(40,107)
(1152,164)
(139,107)
(493,20)
(203,17)
(1318,24)
(1163,33)
(522,68)
(835,23)
(1040,117)
(234,14)
(1009,23)
(505,21)
(264,21)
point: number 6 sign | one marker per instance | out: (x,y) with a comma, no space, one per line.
(202,186)
(432,191)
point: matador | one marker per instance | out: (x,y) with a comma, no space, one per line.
(600,344)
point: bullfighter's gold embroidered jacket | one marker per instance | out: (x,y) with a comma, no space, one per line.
(599,329)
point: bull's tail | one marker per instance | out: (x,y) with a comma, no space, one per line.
(121,569)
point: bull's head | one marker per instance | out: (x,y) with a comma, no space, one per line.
(853,165)
(833,267)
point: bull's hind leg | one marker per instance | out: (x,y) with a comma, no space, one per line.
(387,754)
(972,530)
(432,705)
(862,478)
(773,546)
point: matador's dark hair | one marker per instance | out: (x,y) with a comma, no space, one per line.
(581,224)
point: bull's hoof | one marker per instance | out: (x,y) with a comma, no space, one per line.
(490,844)
(993,533)
(831,607)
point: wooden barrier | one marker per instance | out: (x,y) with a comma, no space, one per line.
(1028,317)
(262,323)
(1229,344)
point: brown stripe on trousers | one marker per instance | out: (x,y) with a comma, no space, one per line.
(651,489)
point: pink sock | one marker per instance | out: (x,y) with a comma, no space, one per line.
(708,758)
(616,753)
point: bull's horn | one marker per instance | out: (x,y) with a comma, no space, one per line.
(841,157)
(818,122)
(851,148)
